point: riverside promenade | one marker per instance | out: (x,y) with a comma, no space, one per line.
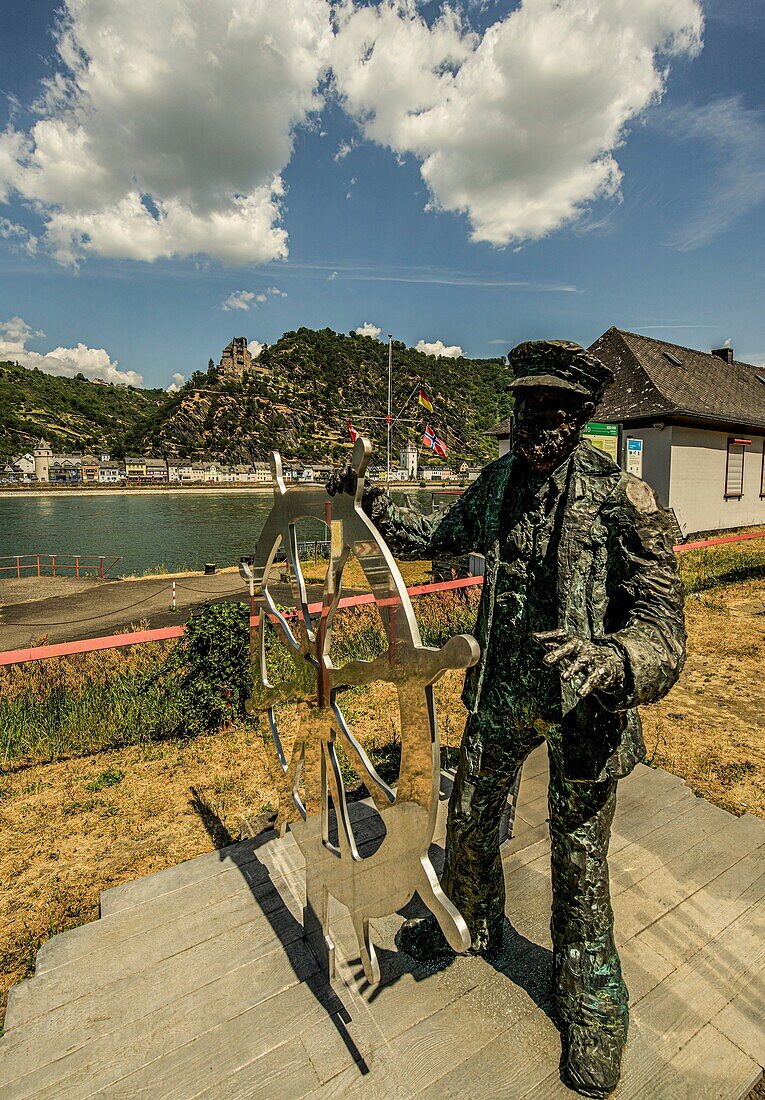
(66,609)
(195,982)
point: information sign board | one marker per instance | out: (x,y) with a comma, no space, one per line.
(603,436)
(635,457)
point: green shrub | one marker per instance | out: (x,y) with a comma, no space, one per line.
(212,664)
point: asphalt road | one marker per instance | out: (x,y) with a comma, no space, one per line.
(92,609)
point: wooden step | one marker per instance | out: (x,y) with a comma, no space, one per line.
(196,981)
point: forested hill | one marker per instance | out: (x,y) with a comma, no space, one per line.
(71,413)
(310,383)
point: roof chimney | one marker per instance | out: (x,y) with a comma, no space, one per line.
(726,354)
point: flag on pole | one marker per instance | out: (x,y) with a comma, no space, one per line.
(431,440)
(425,401)
(352,431)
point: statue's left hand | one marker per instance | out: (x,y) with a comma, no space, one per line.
(598,666)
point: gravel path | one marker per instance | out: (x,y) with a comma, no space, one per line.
(42,588)
(72,609)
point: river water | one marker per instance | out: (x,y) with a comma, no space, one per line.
(175,530)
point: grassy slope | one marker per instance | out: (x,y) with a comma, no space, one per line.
(71,414)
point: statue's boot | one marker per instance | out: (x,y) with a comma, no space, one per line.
(422,938)
(593,1043)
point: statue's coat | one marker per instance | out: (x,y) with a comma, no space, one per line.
(617,584)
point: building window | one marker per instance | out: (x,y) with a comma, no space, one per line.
(734,468)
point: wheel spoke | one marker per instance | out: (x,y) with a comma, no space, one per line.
(337,792)
(293,556)
(380,792)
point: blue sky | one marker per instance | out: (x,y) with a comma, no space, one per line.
(602,184)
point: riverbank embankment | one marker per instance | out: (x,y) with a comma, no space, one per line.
(68,609)
(234,487)
(128,490)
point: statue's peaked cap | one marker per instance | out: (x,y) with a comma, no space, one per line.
(559,364)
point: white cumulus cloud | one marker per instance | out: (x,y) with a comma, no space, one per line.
(165,130)
(438,347)
(255,347)
(245,299)
(368,329)
(166,127)
(177,383)
(15,334)
(343,149)
(12,231)
(238,299)
(516,128)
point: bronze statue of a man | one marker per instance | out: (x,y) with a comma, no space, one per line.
(580,621)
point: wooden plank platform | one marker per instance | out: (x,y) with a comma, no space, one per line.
(195,982)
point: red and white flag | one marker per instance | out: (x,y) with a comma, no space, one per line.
(431,440)
(352,431)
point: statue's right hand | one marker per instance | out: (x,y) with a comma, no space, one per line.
(342,481)
(373,500)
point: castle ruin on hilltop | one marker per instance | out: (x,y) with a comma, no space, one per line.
(236,360)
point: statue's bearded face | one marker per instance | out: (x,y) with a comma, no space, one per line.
(548,424)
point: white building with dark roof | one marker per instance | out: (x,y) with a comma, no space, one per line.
(692,424)
(23,466)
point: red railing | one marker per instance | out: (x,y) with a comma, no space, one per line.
(720,540)
(161,634)
(165,633)
(57,565)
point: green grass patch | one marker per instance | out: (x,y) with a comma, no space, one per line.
(713,566)
(109,778)
(90,702)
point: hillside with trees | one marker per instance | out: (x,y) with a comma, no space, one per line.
(73,414)
(305,388)
(310,383)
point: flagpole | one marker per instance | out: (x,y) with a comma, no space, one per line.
(396,418)
(390,408)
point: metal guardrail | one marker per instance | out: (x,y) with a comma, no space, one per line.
(115,641)
(165,633)
(57,565)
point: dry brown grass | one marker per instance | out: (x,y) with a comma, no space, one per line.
(710,729)
(413,572)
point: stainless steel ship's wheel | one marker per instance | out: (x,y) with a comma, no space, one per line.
(379,883)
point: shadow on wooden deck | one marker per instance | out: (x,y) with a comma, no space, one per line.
(195,981)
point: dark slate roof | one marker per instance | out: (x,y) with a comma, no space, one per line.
(502,430)
(703,388)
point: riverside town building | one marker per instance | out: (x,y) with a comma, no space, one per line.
(42,465)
